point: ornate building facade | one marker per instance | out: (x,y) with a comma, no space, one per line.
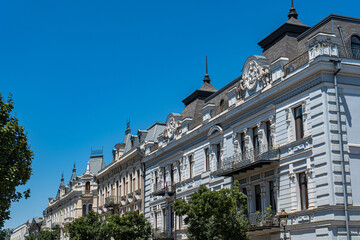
(120,184)
(75,199)
(287,129)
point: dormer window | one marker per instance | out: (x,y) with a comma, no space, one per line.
(355,46)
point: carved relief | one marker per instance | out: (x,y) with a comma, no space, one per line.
(253,73)
(272,130)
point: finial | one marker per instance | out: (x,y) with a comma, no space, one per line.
(128,129)
(128,123)
(62,177)
(292,12)
(207,77)
(74,169)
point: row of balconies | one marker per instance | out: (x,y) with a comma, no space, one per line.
(114,201)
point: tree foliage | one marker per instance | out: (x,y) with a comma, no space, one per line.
(89,227)
(131,226)
(15,159)
(214,215)
(43,235)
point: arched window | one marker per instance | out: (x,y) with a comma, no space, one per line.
(90,207)
(355,46)
(84,210)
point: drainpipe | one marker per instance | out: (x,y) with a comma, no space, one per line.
(337,65)
(342,39)
(143,189)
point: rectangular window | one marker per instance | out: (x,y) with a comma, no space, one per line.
(138,179)
(268,135)
(299,129)
(207,159)
(272,196)
(131,182)
(218,153)
(179,173)
(255,141)
(191,164)
(257,198)
(303,191)
(172,174)
(124,188)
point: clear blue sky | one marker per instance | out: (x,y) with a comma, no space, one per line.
(79,69)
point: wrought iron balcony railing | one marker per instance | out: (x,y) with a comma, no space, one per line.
(111,201)
(338,51)
(241,162)
(161,189)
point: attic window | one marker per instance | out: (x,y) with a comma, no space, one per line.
(223,105)
(355,46)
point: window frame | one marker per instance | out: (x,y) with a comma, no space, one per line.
(298,119)
(303,188)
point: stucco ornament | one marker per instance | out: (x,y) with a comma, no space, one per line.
(256,69)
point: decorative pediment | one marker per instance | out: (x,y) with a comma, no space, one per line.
(256,73)
(172,125)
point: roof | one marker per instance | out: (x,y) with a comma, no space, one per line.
(292,26)
(96,164)
(326,20)
(154,131)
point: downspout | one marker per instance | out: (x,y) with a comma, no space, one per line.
(337,65)
(342,39)
(143,188)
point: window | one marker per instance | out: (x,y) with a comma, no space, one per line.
(257,198)
(179,174)
(218,153)
(303,191)
(242,143)
(124,186)
(84,210)
(90,207)
(207,159)
(191,166)
(87,187)
(268,134)
(172,174)
(298,115)
(131,182)
(272,196)
(139,180)
(255,141)
(355,46)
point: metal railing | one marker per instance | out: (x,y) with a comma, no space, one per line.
(110,201)
(296,63)
(163,188)
(240,160)
(303,59)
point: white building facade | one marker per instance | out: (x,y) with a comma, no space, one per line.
(275,129)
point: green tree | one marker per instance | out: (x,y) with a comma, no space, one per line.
(89,227)
(131,226)
(214,215)
(43,235)
(15,159)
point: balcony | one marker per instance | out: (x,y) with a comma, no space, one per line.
(258,223)
(324,49)
(163,235)
(111,202)
(162,189)
(55,225)
(87,194)
(68,220)
(248,160)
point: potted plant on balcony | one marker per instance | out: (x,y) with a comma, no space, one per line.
(268,215)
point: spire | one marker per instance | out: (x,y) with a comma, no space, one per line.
(74,169)
(62,177)
(292,12)
(207,77)
(128,129)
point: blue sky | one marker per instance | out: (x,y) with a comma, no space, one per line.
(79,69)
